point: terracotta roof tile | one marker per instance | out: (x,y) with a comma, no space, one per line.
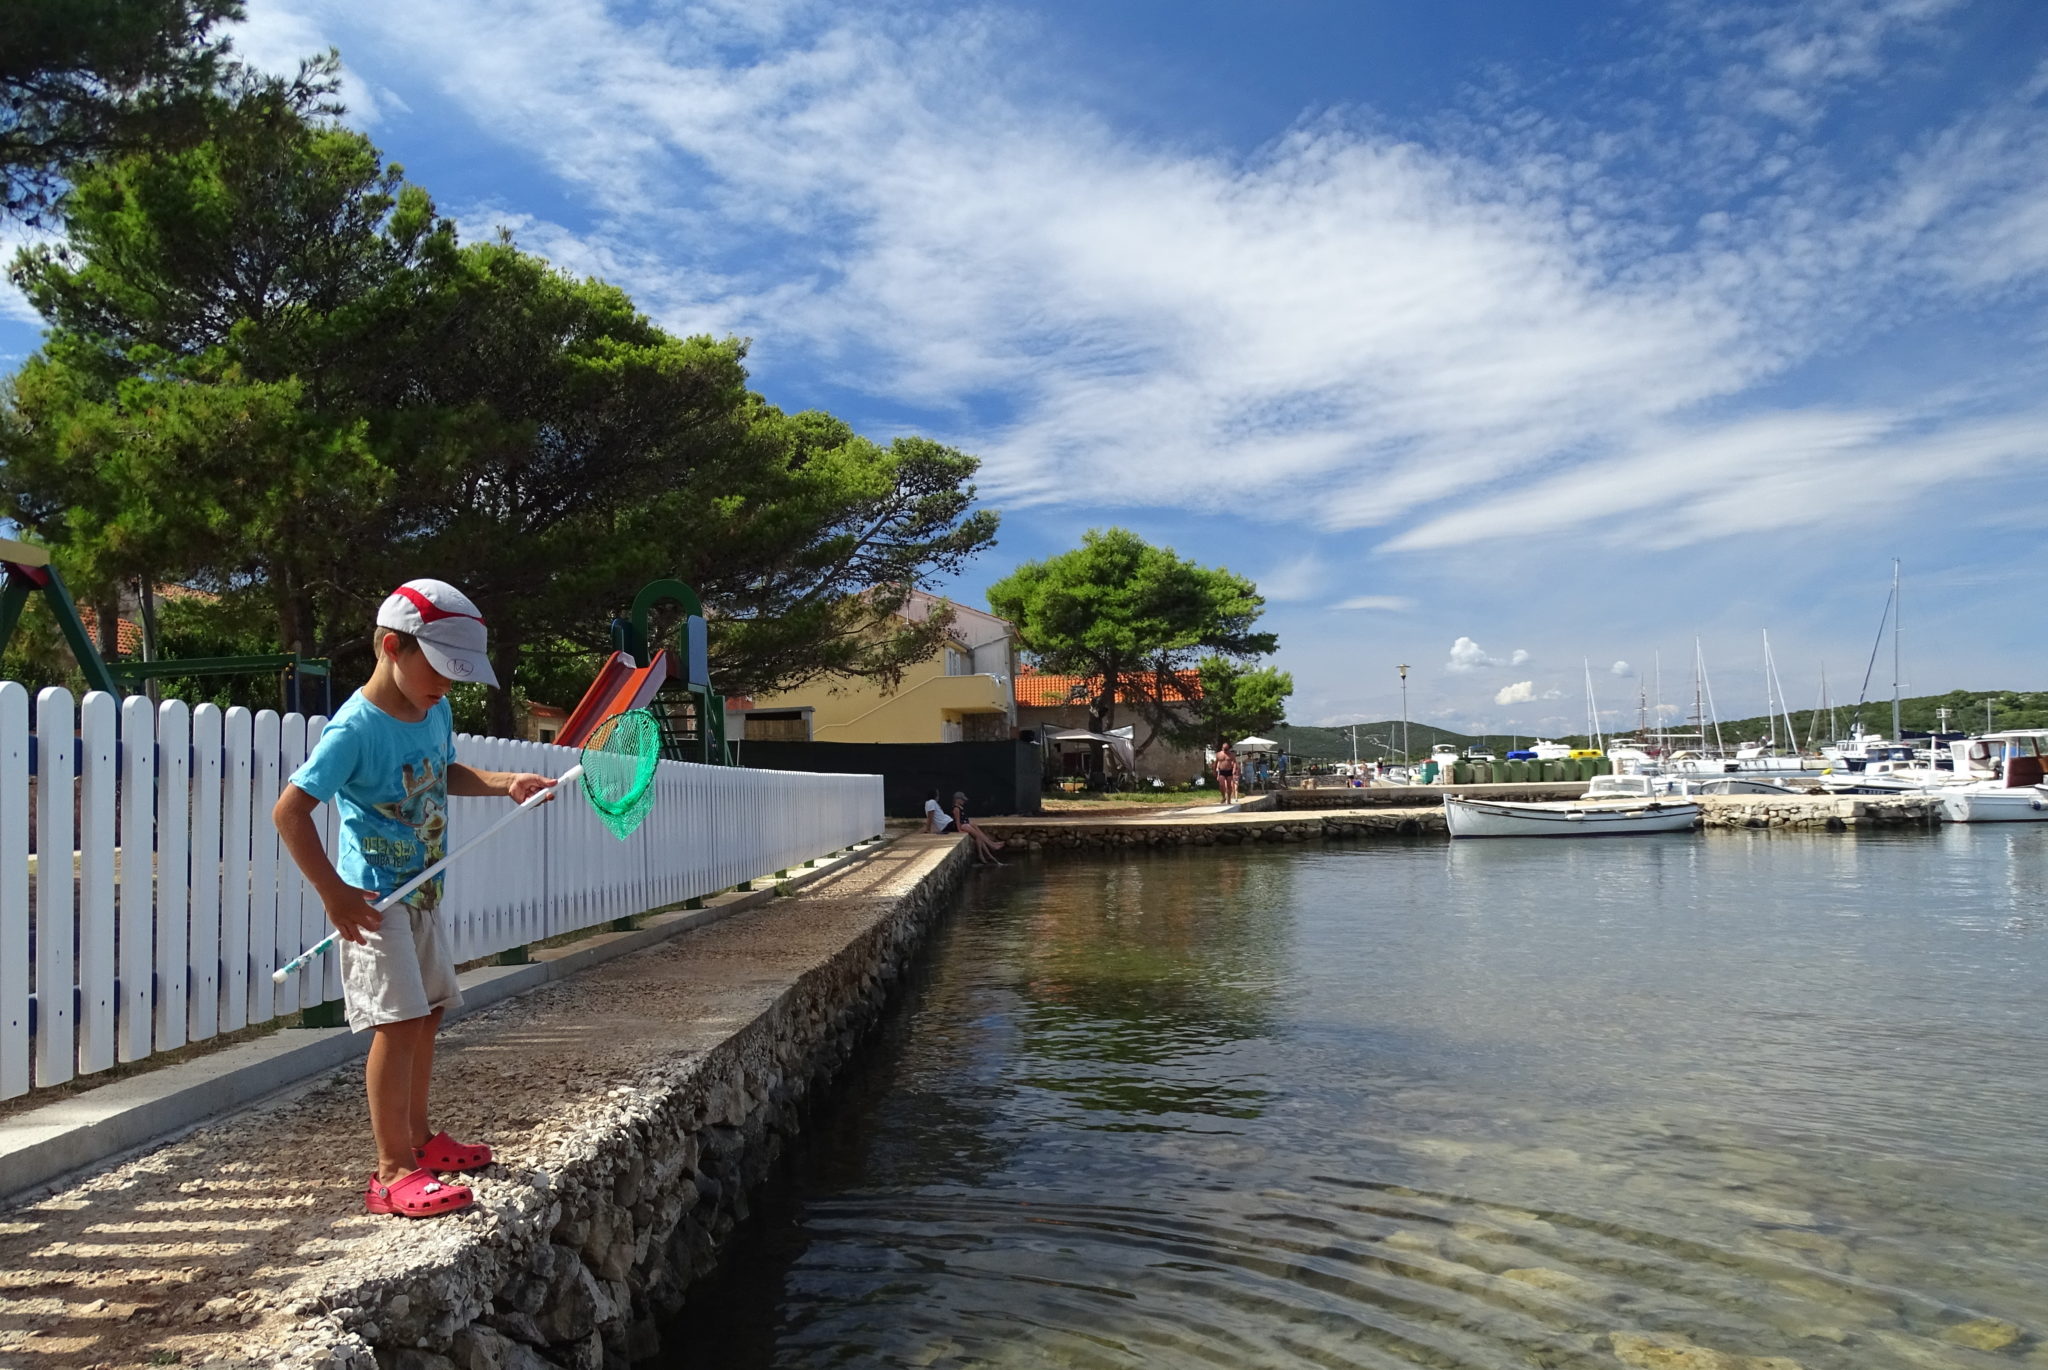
(1041,690)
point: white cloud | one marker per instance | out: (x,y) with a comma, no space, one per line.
(1467,655)
(1756,474)
(1392,604)
(1521,692)
(1296,579)
(1520,331)
(1518,657)
(1622,668)
(277,36)
(14,237)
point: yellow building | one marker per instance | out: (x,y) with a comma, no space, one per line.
(967,693)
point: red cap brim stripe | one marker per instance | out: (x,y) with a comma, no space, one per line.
(430,611)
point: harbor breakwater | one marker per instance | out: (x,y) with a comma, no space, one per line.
(1363,820)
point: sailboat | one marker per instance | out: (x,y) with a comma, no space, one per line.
(1759,760)
(1861,748)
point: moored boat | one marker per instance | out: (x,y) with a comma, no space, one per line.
(2002,777)
(1467,817)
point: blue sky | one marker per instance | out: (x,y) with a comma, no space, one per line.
(1488,336)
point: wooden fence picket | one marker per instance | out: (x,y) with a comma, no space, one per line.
(235,844)
(56,931)
(137,920)
(173,847)
(98,734)
(14,976)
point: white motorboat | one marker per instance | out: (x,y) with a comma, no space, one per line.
(1999,779)
(1756,760)
(1651,785)
(1860,750)
(1975,804)
(1566,818)
(1891,777)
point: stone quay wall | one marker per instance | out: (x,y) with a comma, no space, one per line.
(577,1267)
(1221,830)
(1825,812)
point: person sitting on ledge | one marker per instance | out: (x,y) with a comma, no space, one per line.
(985,846)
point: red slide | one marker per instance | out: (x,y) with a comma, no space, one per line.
(619,686)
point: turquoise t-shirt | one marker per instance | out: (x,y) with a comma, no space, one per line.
(389,781)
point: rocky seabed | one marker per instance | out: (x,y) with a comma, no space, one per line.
(576,1269)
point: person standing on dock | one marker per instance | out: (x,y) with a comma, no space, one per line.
(387,760)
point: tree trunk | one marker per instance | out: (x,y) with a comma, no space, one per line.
(108,612)
(1102,710)
(504,716)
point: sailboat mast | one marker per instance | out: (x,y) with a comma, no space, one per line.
(1657,662)
(1897,613)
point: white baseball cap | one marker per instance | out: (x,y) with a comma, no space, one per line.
(447,626)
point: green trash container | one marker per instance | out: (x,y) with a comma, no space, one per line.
(1429,772)
(1461,773)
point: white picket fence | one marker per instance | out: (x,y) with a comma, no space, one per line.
(117,957)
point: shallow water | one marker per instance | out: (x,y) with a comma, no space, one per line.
(1486,1104)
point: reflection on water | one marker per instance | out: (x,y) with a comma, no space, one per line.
(1675,1104)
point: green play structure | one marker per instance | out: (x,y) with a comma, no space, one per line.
(26,570)
(672,682)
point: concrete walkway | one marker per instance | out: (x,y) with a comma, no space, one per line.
(221,1245)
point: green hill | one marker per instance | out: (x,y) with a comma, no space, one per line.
(1378,741)
(2009,709)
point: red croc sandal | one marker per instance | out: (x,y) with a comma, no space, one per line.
(443,1152)
(418,1195)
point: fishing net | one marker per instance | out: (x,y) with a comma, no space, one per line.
(618,769)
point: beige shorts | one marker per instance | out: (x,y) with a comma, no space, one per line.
(402,971)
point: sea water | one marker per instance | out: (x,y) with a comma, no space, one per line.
(1672,1103)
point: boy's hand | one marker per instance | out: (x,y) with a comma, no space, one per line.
(523,785)
(350,918)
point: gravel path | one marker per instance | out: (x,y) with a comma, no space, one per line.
(215,1246)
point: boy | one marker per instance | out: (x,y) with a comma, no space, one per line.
(388,761)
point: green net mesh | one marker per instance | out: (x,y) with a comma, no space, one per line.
(618,769)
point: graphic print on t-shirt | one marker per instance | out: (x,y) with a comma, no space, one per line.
(424,809)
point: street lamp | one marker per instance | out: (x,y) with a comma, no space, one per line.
(1403,669)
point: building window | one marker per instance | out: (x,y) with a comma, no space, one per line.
(958,662)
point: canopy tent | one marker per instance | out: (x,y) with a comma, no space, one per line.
(1118,742)
(1258,744)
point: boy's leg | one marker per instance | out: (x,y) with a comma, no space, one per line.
(389,1081)
(422,1080)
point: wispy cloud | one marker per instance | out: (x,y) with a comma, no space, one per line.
(1503,323)
(1297,578)
(1392,604)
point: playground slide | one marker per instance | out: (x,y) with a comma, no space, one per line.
(620,685)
